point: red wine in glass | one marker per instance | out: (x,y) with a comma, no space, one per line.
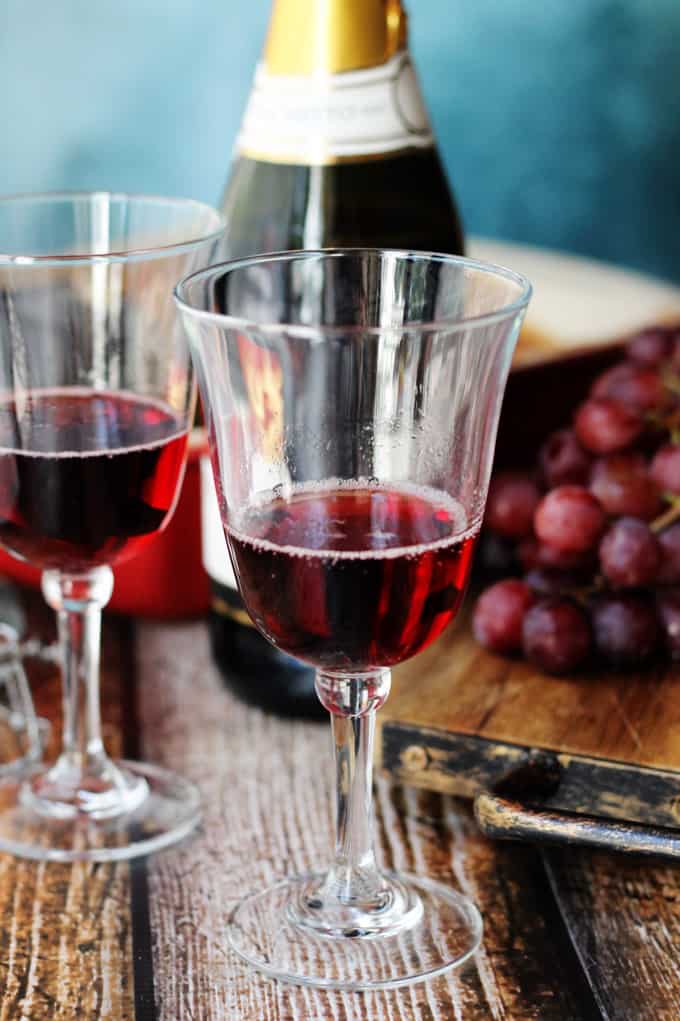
(353,575)
(86,476)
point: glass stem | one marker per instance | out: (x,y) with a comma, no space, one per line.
(83,780)
(78,601)
(354,879)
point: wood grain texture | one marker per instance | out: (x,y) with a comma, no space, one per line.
(65,940)
(65,932)
(568,937)
(624,921)
(461,687)
(266,788)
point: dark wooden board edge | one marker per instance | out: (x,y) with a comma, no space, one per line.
(464,765)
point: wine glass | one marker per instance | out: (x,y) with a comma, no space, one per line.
(352,401)
(96,400)
(22,733)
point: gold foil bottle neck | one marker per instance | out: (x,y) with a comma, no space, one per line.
(308,37)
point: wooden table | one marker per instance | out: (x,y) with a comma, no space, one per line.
(569,936)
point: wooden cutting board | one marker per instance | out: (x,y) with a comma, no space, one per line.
(578,304)
(459,718)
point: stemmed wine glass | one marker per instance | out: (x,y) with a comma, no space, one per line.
(96,400)
(352,400)
(22,733)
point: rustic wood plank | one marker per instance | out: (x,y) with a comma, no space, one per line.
(455,685)
(65,931)
(266,786)
(65,942)
(624,920)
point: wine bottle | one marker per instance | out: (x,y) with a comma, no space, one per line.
(335,149)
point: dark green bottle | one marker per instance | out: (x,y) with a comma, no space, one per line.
(335,149)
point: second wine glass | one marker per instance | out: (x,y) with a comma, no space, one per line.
(353,399)
(96,401)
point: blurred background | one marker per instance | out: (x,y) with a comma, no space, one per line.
(559,122)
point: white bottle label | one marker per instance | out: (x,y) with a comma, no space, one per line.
(332,117)
(213,544)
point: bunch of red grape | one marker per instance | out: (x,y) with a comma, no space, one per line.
(594,531)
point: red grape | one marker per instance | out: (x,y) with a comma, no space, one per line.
(650,346)
(604,425)
(549,581)
(570,519)
(669,544)
(665,468)
(556,635)
(668,604)
(626,629)
(629,554)
(636,386)
(533,553)
(622,484)
(498,616)
(563,460)
(511,503)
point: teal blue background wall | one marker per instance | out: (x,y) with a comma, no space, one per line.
(559,122)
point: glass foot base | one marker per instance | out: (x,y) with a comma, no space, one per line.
(167,811)
(441,930)
(20,751)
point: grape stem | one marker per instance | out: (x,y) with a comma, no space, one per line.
(669,516)
(668,421)
(671,380)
